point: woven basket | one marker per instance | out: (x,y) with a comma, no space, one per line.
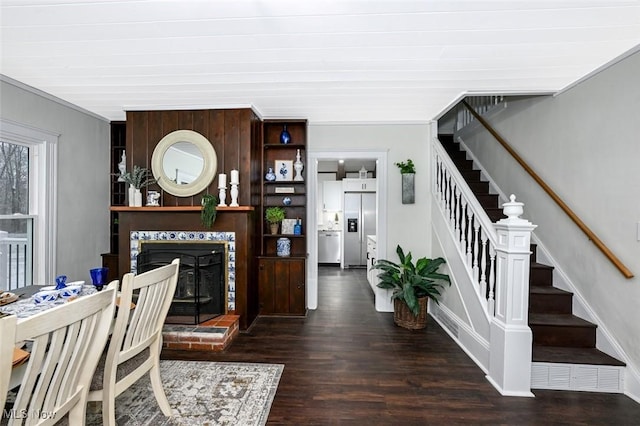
(403,316)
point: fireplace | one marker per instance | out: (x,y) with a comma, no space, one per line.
(201,289)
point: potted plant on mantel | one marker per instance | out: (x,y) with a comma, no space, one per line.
(137,178)
(274,215)
(209,210)
(412,285)
(408,171)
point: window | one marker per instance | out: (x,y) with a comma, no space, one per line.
(27,205)
(16,230)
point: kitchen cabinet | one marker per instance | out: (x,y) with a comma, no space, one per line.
(332,195)
(282,286)
(359,185)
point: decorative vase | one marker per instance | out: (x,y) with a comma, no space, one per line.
(274,228)
(270,176)
(285,136)
(283,247)
(137,198)
(408,188)
(131,196)
(298,166)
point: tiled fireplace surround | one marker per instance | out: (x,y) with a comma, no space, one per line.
(217,333)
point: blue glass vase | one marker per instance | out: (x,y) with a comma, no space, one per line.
(285,136)
(99,277)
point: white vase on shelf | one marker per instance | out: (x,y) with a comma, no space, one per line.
(131,196)
(298,166)
(137,198)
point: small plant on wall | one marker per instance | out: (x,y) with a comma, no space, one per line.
(408,170)
(406,167)
(209,210)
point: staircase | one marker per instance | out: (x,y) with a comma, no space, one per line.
(563,344)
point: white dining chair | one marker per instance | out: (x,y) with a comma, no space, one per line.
(136,342)
(65,344)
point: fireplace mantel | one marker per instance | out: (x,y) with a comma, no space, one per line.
(240,220)
(170,209)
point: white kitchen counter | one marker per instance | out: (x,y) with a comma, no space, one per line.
(382,296)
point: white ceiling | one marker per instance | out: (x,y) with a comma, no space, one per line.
(326,61)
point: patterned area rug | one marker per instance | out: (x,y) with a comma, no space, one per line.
(200,393)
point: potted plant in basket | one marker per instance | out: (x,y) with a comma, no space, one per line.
(274,215)
(412,285)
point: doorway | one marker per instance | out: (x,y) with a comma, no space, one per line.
(314,158)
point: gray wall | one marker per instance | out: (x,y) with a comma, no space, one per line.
(585,144)
(407,224)
(83,176)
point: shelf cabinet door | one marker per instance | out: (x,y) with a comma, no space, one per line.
(282,286)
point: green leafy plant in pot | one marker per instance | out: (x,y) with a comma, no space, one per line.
(138,177)
(274,215)
(412,285)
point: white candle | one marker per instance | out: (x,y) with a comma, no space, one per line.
(222,180)
(235,177)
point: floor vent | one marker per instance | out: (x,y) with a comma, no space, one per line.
(577,377)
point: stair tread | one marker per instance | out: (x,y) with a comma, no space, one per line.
(567,355)
(540,265)
(539,289)
(558,320)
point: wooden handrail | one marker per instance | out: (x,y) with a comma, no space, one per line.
(590,234)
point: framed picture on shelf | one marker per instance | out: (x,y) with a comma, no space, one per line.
(287,226)
(283,170)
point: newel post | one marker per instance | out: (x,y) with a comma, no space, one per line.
(511,338)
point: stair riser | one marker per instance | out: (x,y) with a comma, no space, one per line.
(550,303)
(470,175)
(489,201)
(463,164)
(541,276)
(567,336)
(479,187)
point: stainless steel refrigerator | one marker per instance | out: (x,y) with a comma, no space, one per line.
(359,221)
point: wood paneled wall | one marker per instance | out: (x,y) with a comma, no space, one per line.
(234,133)
(236,136)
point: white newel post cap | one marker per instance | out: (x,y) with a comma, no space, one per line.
(513,210)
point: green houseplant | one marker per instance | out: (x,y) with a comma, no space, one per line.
(138,177)
(406,167)
(209,210)
(274,215)
(412,285)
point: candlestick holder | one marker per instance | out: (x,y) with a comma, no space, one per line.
(222,195)
(234,195)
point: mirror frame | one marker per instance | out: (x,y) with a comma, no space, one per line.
(209,168)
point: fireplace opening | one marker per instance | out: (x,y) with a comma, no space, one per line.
(200,292)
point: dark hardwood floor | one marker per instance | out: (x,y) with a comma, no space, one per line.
(346,364)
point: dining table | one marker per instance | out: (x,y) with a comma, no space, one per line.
(24,307)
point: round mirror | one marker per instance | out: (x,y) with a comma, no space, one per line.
(184,163)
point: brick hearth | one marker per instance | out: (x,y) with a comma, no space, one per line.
(214,335)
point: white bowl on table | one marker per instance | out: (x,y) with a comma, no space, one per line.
(72,289)
(46,296)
